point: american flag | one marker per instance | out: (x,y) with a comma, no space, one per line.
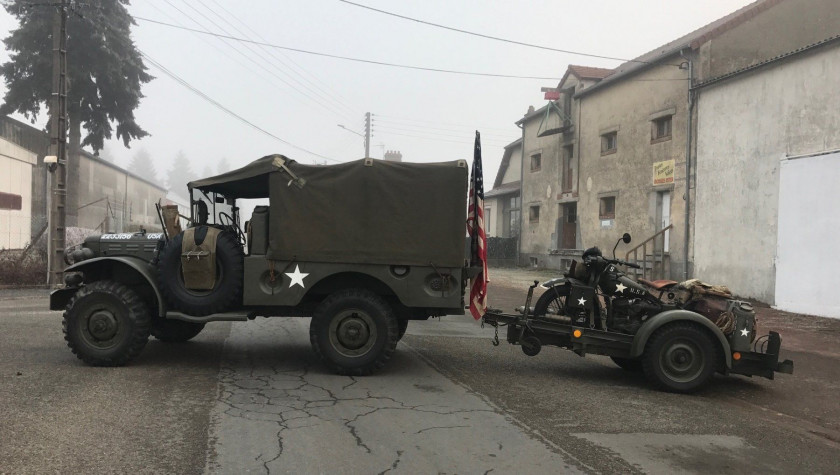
(478,239)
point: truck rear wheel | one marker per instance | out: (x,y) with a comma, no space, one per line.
(680,357)
(354,332)
(175,331)
(106,324)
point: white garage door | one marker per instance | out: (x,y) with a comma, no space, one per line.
(809,236)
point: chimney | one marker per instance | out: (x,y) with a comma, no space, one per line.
(393,156)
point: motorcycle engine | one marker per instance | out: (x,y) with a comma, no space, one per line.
(629,314)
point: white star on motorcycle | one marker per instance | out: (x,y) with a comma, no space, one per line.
(620,287)
(297,277)
(745,332)
(581,301)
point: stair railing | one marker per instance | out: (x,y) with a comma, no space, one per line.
(648,273)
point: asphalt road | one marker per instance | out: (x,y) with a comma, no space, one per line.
(251,398)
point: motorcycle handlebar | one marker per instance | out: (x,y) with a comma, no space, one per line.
(625,263)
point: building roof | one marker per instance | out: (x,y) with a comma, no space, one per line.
(31,139)
(692,40)
(589,72)
(505,189)
(500,174)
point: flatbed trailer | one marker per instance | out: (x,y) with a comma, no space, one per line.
(532,332)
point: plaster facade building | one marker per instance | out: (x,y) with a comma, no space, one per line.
(685,127)
(768,156)
(502,203)
(110,198)
(550,234)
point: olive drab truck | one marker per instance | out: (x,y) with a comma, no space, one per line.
(362,248)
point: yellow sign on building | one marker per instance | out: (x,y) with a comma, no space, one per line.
(663,172)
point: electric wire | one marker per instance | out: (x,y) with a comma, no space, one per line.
(413,127)
(262,56)
(398,129)
(490,37)
(347,58)
(218,105)
(245,55)
(303,72)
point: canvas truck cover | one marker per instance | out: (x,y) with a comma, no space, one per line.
(375,213)
(365,211)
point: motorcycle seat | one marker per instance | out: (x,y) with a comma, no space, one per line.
(657,284)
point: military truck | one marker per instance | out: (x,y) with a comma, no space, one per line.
(362,248)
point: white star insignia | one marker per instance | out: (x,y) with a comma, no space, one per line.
(581,301)
(297,277)
(745,332)
(620,287)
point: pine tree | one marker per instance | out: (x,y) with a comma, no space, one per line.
(180,174)
(104,68)
(141,165)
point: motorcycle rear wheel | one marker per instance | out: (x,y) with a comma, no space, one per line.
(552,303)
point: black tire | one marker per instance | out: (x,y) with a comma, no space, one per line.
(354,332)
(531,345)
(552,302)
(175,331)
(403,326)
(225,294)
(680,357)
(633,365)
(106,324)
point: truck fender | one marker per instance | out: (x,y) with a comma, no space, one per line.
(554,282)
(654,323)
(138,265)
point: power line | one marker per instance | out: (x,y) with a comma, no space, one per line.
(346,58)
(215,103)
(390,123)
(301,71)
(406,119)
(246,56)
(489,37)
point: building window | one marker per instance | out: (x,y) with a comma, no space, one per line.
(514,216)
(534,214)
(609,143)
(487,213)
(566,179)
(10,201)
(607,208)
(536,162)
(661,129)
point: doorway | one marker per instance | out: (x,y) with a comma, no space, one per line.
(663,218)
(568,226)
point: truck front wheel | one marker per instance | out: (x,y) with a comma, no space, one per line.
(106,324)
(354,332)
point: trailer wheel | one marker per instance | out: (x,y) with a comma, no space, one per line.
(552,302)
(354,332)
(634,365)
(531,345)
(175,331)
(106,324)
(680,357)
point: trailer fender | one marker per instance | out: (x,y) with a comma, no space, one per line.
(554,282)
(92,267)
(641,338)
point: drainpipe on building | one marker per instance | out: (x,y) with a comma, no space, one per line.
(521,193)
(688,131)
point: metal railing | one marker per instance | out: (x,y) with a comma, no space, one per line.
(649,272)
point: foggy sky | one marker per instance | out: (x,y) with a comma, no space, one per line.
(427,116)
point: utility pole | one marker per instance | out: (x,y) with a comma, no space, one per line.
(58,145)
(367,134)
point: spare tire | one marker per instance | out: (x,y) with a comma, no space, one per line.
(227,291)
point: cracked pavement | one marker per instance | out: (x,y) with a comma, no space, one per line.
(279,411)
